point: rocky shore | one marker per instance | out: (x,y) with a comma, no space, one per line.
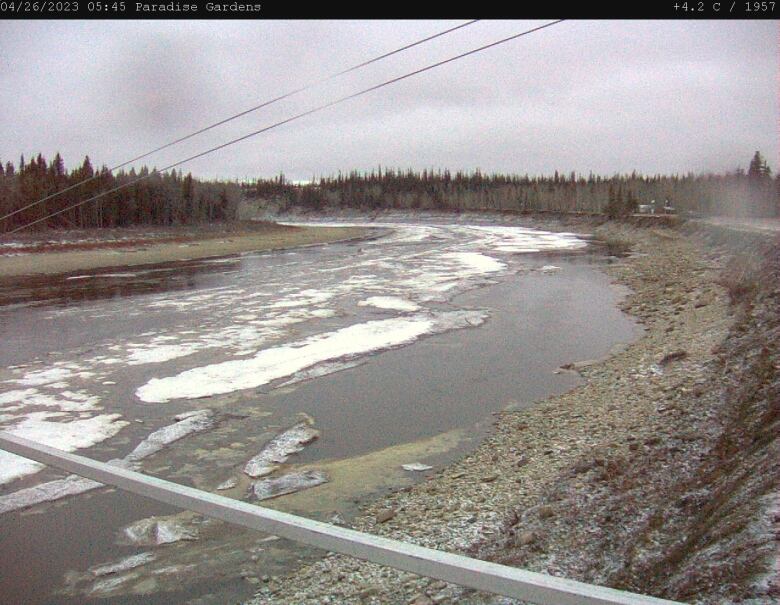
(658,474)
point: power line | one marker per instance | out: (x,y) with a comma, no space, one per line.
(286,95)
(296,117)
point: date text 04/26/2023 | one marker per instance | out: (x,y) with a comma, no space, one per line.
(211,7)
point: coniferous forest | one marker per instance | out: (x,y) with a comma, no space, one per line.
(147,197)
(751,193)
(155,199)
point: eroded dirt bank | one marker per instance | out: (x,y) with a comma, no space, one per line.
(658,475)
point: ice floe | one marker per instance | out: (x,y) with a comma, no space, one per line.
(49,491)
(279,449)
(284,360)
(66,401)
(477,262)
(125,564)
(186,424)
(227,484)
(506,238)
(322,369)
(416,467)
(549,269)
(158,353)
(288,484)
(389,302)
(155,531)
(47,376)
(67,436)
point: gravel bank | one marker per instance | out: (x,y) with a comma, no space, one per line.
(581,484)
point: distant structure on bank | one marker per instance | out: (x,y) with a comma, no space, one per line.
(652,208)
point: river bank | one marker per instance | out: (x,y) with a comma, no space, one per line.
(64,252)
(609,482)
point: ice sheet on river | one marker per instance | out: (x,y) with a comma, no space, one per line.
(288,484)
(46,492)
(285,360)
(186,424)
(125,564)
(67,436)
(154,531)
(66,401)
(280,449)
(394,303)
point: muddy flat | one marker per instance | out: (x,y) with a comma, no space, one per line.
(65,252)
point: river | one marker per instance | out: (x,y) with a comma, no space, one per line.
(391,351)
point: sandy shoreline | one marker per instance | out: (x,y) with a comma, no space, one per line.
(546,491)
(161,247)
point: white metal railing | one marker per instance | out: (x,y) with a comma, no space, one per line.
(457,569)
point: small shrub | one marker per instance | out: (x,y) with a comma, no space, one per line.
(741,278)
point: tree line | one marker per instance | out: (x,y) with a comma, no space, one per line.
(155,199)
(148,197)
(739,193)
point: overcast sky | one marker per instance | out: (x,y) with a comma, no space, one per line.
(601,96)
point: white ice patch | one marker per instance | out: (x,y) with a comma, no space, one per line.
(521,239)
(16,397)
(41,377)
(478,263)
(186,424)
(67,401)
(67,436)
(389,302)
(284,360)
(279,449)
(152,353)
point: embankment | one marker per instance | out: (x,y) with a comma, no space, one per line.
(659,474)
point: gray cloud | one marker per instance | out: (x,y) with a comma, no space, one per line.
(666,96)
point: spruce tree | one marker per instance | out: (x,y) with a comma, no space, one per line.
(758,167)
